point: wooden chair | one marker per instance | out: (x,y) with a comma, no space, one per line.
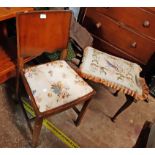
(114,72)
(52,87)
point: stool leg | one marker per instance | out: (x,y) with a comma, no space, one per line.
(146,100)
(82,112)
(129,100)
(36,131)
(116,93)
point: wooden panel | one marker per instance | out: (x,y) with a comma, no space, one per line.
(10,12)
(150,9)
(10,48)
(42,31)
(136,18)
(9,74)
(112,32)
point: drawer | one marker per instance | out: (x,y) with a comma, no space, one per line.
(107,29)
(139,19)
(113,50)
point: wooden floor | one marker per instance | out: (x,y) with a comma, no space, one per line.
(96,129)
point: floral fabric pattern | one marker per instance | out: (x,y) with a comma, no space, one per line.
(100,65)
(54,84)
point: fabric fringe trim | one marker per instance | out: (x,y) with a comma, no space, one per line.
(145,89)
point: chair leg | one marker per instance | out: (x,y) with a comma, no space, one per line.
(17,85)
(36,131)
(129,100)
(27,119)
(82,112)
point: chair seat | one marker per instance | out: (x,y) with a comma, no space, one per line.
(55,84)
(114,72)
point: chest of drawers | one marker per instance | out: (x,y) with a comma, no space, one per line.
(125,32)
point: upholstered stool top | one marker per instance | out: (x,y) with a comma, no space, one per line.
(113,72)
(54,84)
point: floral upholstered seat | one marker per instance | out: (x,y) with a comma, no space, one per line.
(54,84)
(113,72)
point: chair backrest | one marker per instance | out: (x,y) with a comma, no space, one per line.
(40,31)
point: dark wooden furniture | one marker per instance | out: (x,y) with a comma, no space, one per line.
(49,30)
(124,32)
(8,50)
(145,136)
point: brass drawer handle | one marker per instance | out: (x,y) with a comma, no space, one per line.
(146,23)
(98,25)
(134,45)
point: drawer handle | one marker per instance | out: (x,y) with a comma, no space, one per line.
(134,45)
(146,23)
(98,25)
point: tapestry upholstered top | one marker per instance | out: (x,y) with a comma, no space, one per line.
(54,84)
(114,72)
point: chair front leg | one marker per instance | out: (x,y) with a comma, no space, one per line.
(82,112)
(36,131)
